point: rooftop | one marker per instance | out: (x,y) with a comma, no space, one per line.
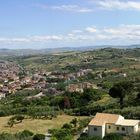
(127,122)
(102,118)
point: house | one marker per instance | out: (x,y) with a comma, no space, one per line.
(79,87)
(2,95)
(123,75)
(87,85)
(74,88)
(104,123)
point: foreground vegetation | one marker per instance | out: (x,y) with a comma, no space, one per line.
(112,136)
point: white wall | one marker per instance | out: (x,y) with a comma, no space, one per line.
(103,131)
(100,131)
(136,128)
(2,96)
(110,128)
(128,129)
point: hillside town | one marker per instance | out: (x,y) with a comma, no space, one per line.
(11,80)
(14,78)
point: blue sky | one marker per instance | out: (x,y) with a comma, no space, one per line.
(68,23)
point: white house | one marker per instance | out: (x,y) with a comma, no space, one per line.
(104,123)
(2,95)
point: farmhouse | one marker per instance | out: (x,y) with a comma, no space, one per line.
(104,123)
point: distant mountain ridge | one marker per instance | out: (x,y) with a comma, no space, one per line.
(20,52)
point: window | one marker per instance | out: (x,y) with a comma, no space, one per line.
(123,128)
(117,128)
(109,127)
(95,129)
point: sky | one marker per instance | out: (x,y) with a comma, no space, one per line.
(40,24)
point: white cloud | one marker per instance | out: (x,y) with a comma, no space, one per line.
(123,30)
(31,39)
(95,5)
(68,8)
(77,31)
(73,8)
(121,33)
(46,38)
(14,40)
(119,4)
(91,29)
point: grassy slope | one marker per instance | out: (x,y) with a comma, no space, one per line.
(35,125)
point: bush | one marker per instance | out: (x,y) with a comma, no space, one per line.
(85,137)
(61,134)
(39,137)
(6,136)
(113,136)
(74,122)
(134,137)
(83,123)
(25,133)
(19,118)
(67,126)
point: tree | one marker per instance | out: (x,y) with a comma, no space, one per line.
(91,94)
(19,118)
(138,95)
(11,122)
(120,90)
(66,102)
(67,126)
(61,134)
(74,122)
(15,119)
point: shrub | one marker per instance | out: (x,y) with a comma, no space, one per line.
(113,136)
(85,137)
(74,122)
(25,133)
(83,123)
(61,134)
(67,126)
(134,137)
(39,137)
(19,118)
(6,136)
